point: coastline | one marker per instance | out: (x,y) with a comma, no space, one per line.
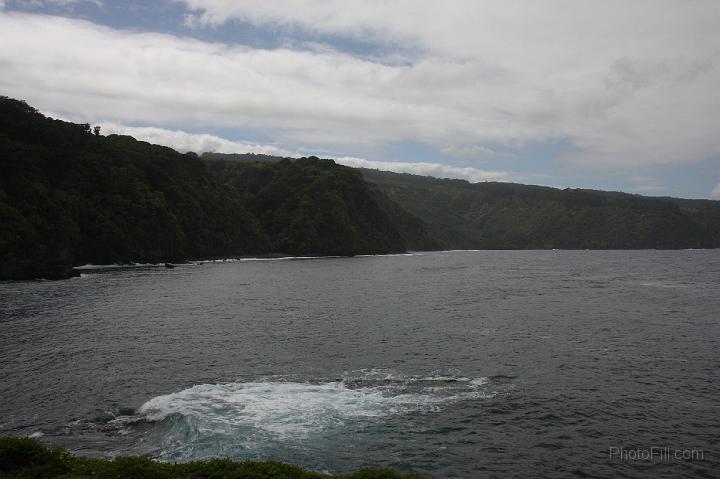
(66,271)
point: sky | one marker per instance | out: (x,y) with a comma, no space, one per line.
(614,94)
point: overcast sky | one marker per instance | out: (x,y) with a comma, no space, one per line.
(613,94)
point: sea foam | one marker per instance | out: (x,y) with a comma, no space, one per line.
(253,414)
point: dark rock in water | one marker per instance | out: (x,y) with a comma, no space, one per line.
(62,273)
(103,418)
(169,265)
(23,270)
(125,411)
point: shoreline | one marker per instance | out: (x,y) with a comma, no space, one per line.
(62,272)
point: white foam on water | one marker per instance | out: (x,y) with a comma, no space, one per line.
(286,258)
(296,410)
(90,267)
(291,258)
(412,253)
(461,250)
(261,259)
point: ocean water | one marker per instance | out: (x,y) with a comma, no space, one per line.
(455,364)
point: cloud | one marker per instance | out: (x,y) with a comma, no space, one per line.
(155,78)
(58,3)
(715,193)
(468,152)
(649,185)
(579,70)
(199,143)
(487,72)
(437,170)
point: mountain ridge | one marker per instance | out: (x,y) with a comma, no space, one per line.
(493,215)
(68,197)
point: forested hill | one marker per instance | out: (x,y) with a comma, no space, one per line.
(459,215)
(69,197)
(433,213)
(242,157)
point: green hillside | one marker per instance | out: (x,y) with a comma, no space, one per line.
(458,214)
(69,197)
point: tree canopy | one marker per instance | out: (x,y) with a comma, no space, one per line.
(68,197)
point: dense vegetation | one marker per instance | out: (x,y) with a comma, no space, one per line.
(457,214)
(242,157)
(24,458)
(311,206)
(69,197)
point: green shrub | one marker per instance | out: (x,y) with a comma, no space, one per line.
(24,458)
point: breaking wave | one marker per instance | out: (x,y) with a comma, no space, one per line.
(242,418)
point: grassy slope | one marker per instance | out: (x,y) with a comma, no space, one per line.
(24,458)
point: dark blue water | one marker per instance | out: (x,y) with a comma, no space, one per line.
(456,364)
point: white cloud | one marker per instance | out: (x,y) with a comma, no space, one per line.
(437,170)
(649,185)
(715,193)
(631,85)
(197,142)
(468,152)
(60,3)
(627,82)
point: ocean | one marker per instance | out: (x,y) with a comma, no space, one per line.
(464,364)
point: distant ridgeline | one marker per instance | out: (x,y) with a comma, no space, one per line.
(70,197)
(461,215)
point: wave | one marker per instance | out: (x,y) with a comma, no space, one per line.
(292,258)
(239,418)
(91,267)
(100,268)
(410,253)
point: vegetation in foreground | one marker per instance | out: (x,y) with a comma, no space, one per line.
(24,458)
